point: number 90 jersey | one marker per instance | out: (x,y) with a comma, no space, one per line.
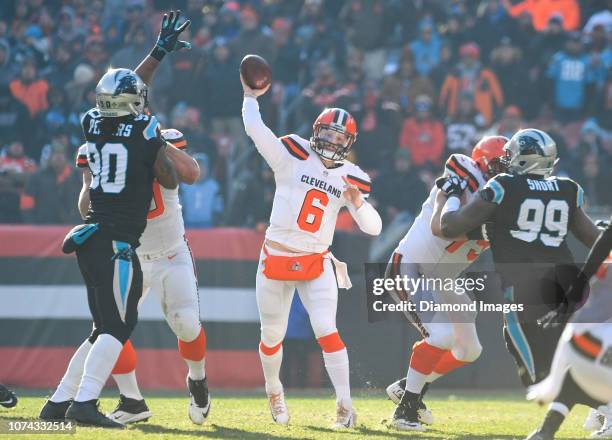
(121,165)
(532,218)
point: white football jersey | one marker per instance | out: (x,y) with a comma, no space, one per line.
(438,257)
(308,195)
(165,229)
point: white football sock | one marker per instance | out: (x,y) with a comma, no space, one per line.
(196,369)
(337,366)
(433,377)
(415,381)
(128,385)
(69,384)
(98,366)
(271,368)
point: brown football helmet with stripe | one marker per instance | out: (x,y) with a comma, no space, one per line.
(488,154)
(334,132)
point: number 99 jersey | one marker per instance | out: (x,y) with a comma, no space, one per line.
(121,165)
(532,218)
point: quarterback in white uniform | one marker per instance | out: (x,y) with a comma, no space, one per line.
(449,338)
(169,271)
(313,182)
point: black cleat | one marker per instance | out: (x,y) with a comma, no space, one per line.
(8,399)
(54,410)
(199,406)
(87,413)
(130,411)
(406,417)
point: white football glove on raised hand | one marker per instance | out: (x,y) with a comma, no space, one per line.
(451,185)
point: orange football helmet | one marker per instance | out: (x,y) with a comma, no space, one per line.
(488,153)
(324,142)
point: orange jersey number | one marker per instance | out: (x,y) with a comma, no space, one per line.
(311,215)
(472,253)
(157,202)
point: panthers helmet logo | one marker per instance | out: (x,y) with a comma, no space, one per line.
(530,145)
(126,84)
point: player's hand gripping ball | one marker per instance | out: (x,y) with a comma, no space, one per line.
(256,72)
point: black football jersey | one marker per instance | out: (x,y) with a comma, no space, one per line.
(532,219)
(121,164)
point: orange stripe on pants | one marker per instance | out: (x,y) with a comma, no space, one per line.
(448,363)
(126,362)
(425,357)
(194,350)
(331,343)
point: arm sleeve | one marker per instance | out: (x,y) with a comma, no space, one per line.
(152,135)
(265,141)
(367,218)
(81,158)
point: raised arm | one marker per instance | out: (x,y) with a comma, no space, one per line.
(167,41)
(187,167)
(164,169)
(266,142)
(84,194)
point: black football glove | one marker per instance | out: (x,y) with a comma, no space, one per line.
(555,318)
(167,40)
(451,185)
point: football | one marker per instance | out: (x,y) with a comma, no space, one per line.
(256,71)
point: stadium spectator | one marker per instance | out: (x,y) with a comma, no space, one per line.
(470,75)
(571,75)
(50,193)
(426,48)
(15,169)
(15,121)
(423,135)
(512,72)
(323,92)
(461,130)
(372,15)
(541,11)
(30,89)
(202,202)
(595,181)
(405,85)
(390,200)
(492,24)
(510,123)
(251,38)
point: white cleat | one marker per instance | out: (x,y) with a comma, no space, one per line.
(346,418)
(199,402)
(406,425)
(606,430)
(594,421)
(278,408)
(130,411)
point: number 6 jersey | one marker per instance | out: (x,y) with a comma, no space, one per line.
(308,195)
(121,165)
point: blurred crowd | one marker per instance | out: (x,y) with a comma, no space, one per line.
(424,78)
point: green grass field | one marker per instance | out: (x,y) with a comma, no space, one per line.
(245,416)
